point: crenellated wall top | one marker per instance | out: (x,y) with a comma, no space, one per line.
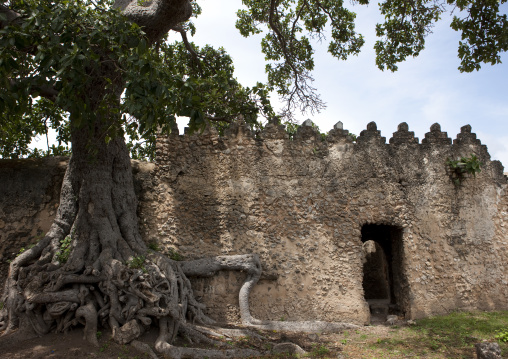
(307,135)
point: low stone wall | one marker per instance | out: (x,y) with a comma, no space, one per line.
(29,195)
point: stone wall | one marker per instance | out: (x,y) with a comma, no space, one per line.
(307,206)
(301,205)
(29,197)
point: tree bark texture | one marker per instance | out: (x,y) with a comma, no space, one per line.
(107,277)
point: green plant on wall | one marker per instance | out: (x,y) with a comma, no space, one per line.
(174,255)
(465,165)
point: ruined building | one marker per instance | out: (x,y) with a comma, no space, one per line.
(343,228)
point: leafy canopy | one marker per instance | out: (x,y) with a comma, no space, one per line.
(290,25)
(52,53)
(55,52)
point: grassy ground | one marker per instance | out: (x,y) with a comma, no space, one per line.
(444,337)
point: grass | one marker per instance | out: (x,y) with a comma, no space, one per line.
(444,337)
(450,336)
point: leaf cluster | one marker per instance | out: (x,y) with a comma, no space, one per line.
(465,165)
(484,33)
(484,30)
(403,33)
(502,335)
(62,255)
(65,64)
(137,262)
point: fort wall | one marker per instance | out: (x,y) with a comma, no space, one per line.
(309,206)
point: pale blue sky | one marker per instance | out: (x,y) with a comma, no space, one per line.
(425,90)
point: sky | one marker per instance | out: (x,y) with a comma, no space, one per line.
(424,90)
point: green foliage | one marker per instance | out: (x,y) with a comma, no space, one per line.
(502,335)
(291,129)
(154,246)
(404,30)
(65,250)
(104,347)
(137,262)
(174,255)
(465,165)
(484,31)
(319,350)
(17,132)
(63,64)
(23,249)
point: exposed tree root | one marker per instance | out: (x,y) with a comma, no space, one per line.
(304,326)
(227,333)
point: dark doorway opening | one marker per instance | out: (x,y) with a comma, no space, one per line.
(384,283)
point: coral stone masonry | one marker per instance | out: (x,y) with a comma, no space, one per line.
(345,230)
(315,209)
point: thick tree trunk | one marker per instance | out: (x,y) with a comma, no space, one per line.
(93,268)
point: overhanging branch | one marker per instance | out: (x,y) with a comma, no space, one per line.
(188,46)
(156,17)
(45,90)
(7,16)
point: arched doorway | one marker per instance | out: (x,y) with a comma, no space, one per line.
(384,282)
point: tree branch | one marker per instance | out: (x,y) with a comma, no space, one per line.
(295,22)
(301,89)
(156,17)
(188,46)
(8,16)
(45,90)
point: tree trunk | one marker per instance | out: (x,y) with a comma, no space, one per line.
(93,268)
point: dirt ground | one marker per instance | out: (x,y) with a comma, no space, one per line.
(72,345)
(64,346)
(362,343)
